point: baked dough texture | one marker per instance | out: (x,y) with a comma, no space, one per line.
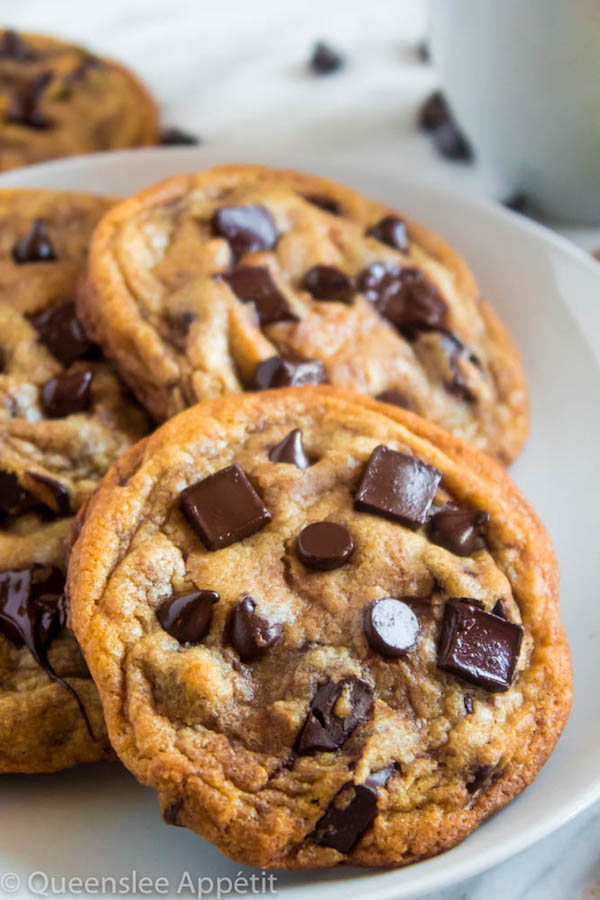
(261,688)
(195,282)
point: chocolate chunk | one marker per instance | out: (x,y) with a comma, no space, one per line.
(348,816)
(381,777)
(328,204)
(187,616)
(249,633)
(325,729)
(454,349)
(468,705)
(33,613)
(458,530)
(328,283)
(67,393)
(62,333)
(14,499)
(24,108)
(397,398)
(325,59)
(175,137)
(224,508)
(324,545)
(60,495)
(398,487)
(12,46)
(478,646)
(253,284)
(292,370)
(36,246)
(435,116)
(500,609)
(404,297)
(170,813)
(479,779)
(247,228)
(391,627)
(391,230)
(290,450)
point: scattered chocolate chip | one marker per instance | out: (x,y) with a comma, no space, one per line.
(328,204)
(397,398)
(14,499)
(435,116)
(33,613)
(246,228)
(35,246)
(254,284)
(423,51)
(403,296)
(175,137)
(324,545)
(391,230)
(249,633)
(478,646)
(62,333)
(67,393)
(398,487)
(500,609)
(187,616)
(348,816)
(292,370)
(12,46)
(328,283)
(458,530)
(60,495)
(479,779)
(518,202)
(325,60)
(391,627)
(24,107)
(468,705)
(454,349)
(336,709)
(170,813)
(290,450)
(224,508)
(381,777)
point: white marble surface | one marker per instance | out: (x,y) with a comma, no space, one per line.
(235,70)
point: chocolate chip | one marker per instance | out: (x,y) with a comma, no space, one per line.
(500,609)
(324,729)
(170,813)
(468,705)
(187,616)
(35,246)
(324,545)
(60,495)
(398,487)
(391,230)
(328,204)
(391,627)
(12,46)
(434,112)
(478,646)
(14,499)
(174,137)
(33,613)
(292,370)
(224,508)
(290,450)
(62,333)
(247,228)
(24,107)
(435,116)
(348,816)
(328,283)
(253,284)
(479,779)
(404,297)
(454,349)
(458,530)
(325,60)
(67,393)
(249,633)
(396,398)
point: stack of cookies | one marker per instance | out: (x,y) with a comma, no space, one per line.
(310,609)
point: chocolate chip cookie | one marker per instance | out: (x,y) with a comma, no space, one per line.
(57,99)
(245,278)
(64,418)
(323,629)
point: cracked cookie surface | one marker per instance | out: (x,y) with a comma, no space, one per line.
(57,99)
(242,277)
(64,418)
(322,629)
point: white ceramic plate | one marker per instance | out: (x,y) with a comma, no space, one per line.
(97,821)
